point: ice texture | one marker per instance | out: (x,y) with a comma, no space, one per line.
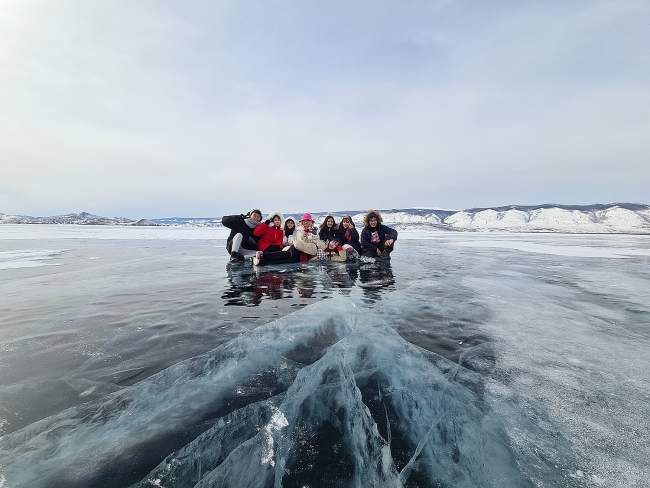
(481,360)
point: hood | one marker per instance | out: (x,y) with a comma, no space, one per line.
(367,217)
(273,214)
(295,224)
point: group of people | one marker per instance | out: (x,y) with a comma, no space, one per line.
(279,241)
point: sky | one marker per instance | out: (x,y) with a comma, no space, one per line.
(197,109)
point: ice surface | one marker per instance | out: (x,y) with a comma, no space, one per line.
(467,361)
(28,258)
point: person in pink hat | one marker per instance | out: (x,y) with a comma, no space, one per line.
(306,239)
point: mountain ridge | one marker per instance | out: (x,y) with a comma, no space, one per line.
(624,218)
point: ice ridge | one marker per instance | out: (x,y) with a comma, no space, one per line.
(330,394)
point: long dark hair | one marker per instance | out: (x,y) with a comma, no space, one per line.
(288,232)
(324,224)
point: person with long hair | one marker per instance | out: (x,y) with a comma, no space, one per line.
(349,234)
(289,232)
(328,229)
(270,233)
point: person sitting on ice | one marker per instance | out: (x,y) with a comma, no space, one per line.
(306,240)
(328,229)
(270,233)
(349,234)
(241,242)
(377,240)
(289,232)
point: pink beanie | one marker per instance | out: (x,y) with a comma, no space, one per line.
(306,216)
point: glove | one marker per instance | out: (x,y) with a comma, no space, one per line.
(268,222)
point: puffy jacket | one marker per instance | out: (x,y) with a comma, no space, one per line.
(288,240)
(237,225)
(350,236)
(269,234)
(329,233)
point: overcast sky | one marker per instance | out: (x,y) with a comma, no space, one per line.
(159,109)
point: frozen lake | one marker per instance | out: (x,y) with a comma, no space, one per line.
(139,356)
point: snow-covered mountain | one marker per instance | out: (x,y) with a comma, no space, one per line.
(83,218)
(623,218)
(615,218)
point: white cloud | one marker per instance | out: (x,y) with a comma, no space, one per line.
(143,109)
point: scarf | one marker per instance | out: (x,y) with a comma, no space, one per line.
(252,223)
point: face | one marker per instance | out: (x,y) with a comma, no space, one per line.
(329,222)
(256,217)
(373,221)
(332,244)
(306,224)
(290,224)
(276,221)
(345,223)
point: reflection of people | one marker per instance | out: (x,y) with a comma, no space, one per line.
(374,277)
(242,290)
(270,233)
(271,284)
(349,234)
(241,242)
(306,239)
(377,240)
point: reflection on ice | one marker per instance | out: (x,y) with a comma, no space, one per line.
(454,365)
(250,285)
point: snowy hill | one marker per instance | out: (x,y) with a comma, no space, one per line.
(82,218)
(592,219)
(615,218)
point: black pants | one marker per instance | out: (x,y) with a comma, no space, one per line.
(292,255)
(385,250)
(273,248)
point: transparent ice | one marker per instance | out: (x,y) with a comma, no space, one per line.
(466,361)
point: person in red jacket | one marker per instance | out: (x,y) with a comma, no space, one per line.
(270,233)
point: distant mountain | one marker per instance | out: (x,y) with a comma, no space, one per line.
(617,218)
(614,218)
(83,218)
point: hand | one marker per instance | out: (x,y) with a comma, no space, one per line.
(268,222)
(378,252)
(389,242)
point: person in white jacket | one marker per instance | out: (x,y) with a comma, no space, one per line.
(289,232)
(305,238)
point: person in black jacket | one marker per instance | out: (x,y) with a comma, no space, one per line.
(377,240)
(241,242)
(329,230)
(349,234)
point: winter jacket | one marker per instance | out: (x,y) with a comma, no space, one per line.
(328,233)
(237,225)
(350,236)
(269,234)
(307,242)
(289,239)
(385,232)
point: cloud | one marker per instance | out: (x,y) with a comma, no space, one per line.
(155,109)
